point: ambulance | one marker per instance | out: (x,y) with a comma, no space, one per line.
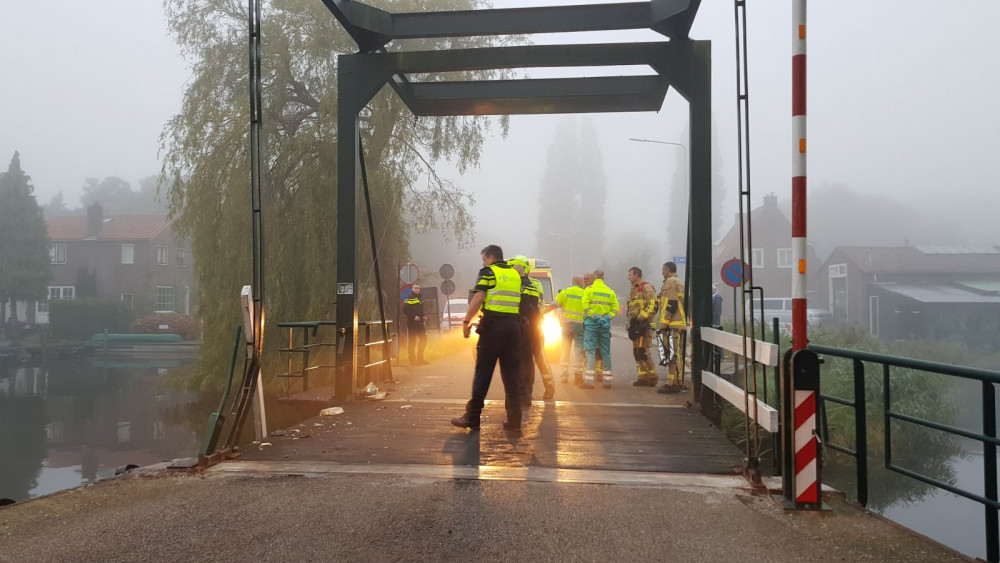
(542,271)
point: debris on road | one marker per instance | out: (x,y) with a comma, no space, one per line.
(331,411)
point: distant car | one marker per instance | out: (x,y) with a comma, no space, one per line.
(454,313)
(781,308)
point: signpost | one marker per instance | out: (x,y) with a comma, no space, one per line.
(405,291)
(446,271)
(409,273)
(733,274)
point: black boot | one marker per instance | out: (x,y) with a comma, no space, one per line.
(467,420)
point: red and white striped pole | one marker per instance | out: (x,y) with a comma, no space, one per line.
(807,490)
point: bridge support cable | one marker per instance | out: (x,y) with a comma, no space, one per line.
(746,243)
(386,354)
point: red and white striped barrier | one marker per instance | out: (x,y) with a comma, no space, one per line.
(806,486)
(799,175)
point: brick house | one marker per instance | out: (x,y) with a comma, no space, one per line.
(771,255)
(137,260)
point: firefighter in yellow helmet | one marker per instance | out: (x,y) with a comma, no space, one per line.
(673,325)
(532,339)
(642,305)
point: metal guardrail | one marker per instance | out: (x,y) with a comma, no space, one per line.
(307,346)
(860,452)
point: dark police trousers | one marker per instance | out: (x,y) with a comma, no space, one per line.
(499,339)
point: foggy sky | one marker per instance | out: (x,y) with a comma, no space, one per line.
(899,105)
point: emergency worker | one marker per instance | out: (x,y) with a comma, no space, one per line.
(600,305)
(642,304)
(570,303)
(498,292)
(588,280)
(416,328)
(673,325)
(532,338)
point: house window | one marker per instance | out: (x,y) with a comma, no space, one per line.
(128,254)
(164,299)
(182,257)
(784,257)
(57,292)
(161,255)
(757,258)
(127,300)
(57,253)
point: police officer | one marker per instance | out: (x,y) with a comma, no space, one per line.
(498,292)
(416,329)
(600,305)
(570,302)
(673,324)
(532,343)
(642,303)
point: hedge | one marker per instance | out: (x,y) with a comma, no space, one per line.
(79,319)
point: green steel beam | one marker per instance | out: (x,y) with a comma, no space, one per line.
(699,96)
(661,56)
(560,95)
(372,28)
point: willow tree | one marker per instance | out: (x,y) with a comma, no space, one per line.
(207,159)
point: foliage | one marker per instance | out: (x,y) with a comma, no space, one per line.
(571,199)
(188,327)
(919,394)
(207,161)
(24,242)
(80,319)
(117,197)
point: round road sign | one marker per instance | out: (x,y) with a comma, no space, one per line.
(734,272)
(447,271)
(405,292)
(409,273)
(447,287)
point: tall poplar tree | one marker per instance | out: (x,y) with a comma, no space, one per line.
(24,241)
(207,161)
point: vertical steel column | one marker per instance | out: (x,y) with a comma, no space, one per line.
(347,247)
(990,471)
(700,229)
(861,432)
(355,87)
(799,247)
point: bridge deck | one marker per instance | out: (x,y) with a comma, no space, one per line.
(625,428)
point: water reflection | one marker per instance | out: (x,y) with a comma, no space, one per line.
(67,423)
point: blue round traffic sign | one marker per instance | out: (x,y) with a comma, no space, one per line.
(405,291)
(734,272)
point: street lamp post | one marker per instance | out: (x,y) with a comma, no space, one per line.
(570,239)
(683,147)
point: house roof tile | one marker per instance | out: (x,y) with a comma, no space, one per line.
(113,227)
(910,259)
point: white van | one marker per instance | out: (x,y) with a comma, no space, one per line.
(781,307)
(454,313)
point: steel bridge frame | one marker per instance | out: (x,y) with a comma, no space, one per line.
(680,62)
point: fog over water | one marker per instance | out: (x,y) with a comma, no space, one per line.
(899,110)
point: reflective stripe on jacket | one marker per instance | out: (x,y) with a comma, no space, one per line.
(599,299)
(505,295)
(570,302)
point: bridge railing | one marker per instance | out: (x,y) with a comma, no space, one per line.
(304,353)
(764,354)
(988,379)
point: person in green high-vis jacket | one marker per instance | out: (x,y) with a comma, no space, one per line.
(600,305)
